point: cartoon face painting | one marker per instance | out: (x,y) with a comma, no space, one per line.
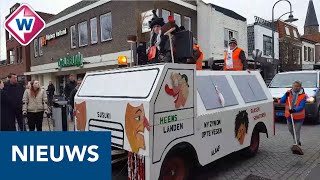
(135,124)
(241,126)
(179,90)
(81,115)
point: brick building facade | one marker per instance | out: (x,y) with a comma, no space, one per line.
(290,46)
(98,31)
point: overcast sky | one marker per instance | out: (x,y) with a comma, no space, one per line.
(246,8)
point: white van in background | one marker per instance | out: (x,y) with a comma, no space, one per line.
(310,82)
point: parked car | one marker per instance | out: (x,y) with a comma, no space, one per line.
(310,82)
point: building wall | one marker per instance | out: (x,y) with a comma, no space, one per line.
(259,32)
(123,24)
(289,47)
(211,25)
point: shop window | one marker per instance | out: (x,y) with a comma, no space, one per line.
(40,46)
(73,36)
(106,27)
(36,47)
(209,95)
(267,45)
(83,33)
(187,23)
(93,29)
(177,18)
(250,88)
(228,34)
(165,15)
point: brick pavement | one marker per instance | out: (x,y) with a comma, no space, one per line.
(273,161)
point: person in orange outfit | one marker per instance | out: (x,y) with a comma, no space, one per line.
(235,58)
(297,98)
(198,54)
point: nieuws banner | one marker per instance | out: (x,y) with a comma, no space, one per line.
(60,155)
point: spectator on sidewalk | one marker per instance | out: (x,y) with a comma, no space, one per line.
(14,92)
(67,91)
(35,105)
(51,89)
(73,94)
(7,112)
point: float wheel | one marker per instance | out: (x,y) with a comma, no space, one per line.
(174,168)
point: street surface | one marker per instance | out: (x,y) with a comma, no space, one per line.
(274,160)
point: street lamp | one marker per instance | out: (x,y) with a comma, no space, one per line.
(290,19)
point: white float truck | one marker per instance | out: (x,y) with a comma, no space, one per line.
(170,117)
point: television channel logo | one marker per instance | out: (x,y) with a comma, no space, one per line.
(24,24)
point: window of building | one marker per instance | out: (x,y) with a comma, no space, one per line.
(312,54)
(106,27)
(267,45)
(36,47)
(83,33)
(73,36)
(177,18)
(40,46)
(210,96)
(309,54)
(19,54)
(187,23)
(94,30)
(298,55)
(165,15)
(295,33)
(305,53)
(287,31)
(228,34)
(11,56)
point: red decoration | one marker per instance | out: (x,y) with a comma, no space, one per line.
(170,18)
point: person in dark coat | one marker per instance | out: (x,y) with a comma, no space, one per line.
(74,92)
(7,113)
(15,91)
(51,89)
(70,86)
(67,91)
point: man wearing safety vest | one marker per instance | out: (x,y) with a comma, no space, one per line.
(198,54)
(235,58)
(297,98)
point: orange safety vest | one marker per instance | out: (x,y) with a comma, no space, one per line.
(199,60)
(298,115)
(237,64)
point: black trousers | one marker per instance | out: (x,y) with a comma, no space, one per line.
(19,119)
(35,120)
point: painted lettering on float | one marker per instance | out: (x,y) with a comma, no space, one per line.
(215,150)
(259,116)
(168,119)
(211,132)
(173,127)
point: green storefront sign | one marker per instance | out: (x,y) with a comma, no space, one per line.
(68,61)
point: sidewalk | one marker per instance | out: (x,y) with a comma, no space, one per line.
(45,126)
